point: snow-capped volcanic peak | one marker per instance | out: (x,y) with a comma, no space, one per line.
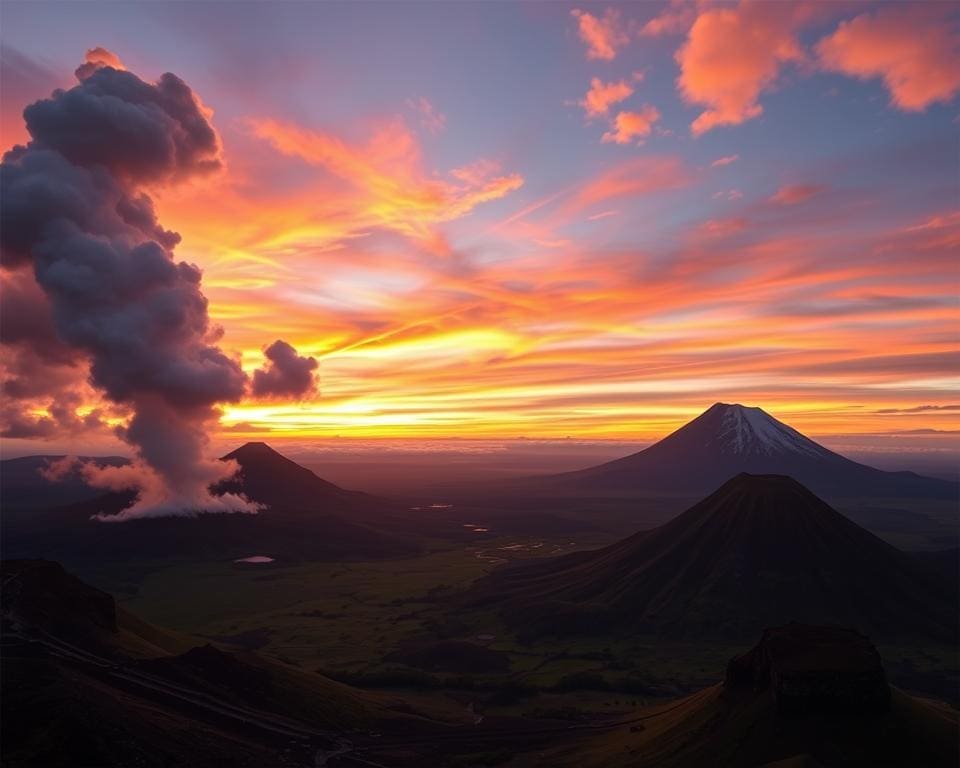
(746,430)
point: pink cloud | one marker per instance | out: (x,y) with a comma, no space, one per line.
(637,177)
(676,17)
(602,35)
(714,228)
(602,215)
(431,118)
(629,126)
(915,49)
(728,194)
(602,96)
(794,194)
(727,160)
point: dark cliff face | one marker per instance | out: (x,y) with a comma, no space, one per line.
(811,670)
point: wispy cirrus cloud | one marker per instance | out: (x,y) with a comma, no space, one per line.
(389,185)
(725,160)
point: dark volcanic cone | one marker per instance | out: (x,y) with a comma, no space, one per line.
(760,551)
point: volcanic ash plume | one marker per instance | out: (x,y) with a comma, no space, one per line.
(75,210)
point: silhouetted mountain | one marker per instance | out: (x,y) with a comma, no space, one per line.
(728,439)
(803,697)
(761,550)
(271,478)
(306,518)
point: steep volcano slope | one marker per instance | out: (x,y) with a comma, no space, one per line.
(761,550)
(728,439)
(271,478)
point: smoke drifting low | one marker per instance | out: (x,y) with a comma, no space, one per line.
(112,299)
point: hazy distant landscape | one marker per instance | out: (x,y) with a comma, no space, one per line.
(460,385)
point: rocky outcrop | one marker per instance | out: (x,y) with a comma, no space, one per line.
(43,594)
(811,670)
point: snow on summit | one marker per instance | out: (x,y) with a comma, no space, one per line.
(746,430)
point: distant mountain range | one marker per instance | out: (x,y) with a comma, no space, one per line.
(761,550)
(726,440)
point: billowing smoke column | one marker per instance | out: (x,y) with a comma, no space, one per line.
(74,210)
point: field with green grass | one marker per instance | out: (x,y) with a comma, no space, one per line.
(353,620)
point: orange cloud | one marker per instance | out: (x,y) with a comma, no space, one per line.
(393,191)
(602,96)
(95,59)
(915,49)
(731,56)
(794,194)
(628,126)
(602,35)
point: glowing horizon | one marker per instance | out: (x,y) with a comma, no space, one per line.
(621,216)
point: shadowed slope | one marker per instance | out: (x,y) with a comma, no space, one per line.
(761,550)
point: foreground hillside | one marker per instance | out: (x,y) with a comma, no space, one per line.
(804,697)
(759,551)
(86,683)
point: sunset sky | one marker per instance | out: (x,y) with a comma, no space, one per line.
(551,220)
